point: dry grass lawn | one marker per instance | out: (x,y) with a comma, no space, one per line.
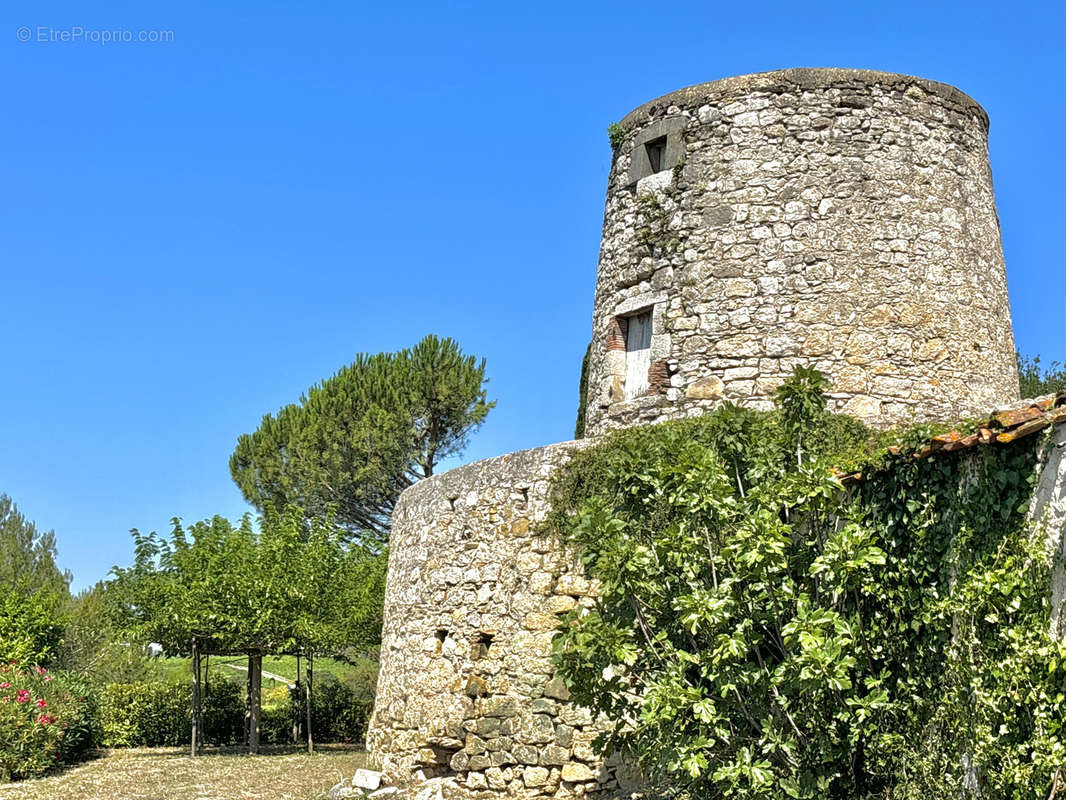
(168,773)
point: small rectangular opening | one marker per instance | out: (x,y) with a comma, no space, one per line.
(656,150)
(481,645)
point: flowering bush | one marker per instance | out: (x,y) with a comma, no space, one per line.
(46,719)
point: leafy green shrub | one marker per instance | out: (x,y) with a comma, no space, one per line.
(223,710)
(46,719)
(280,710)
(340,708)
(1035,380)
(764,633)
(154,714)
(31,627)
(144,714)
(340,711)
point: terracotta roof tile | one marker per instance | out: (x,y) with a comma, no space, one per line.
(1005,425)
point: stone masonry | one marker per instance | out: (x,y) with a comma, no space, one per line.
(467,687)
(840,219)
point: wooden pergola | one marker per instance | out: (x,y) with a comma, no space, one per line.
(204,646)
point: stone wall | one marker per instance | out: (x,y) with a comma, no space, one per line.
(1048,509)
(468,706)
(841,219)
(466,687)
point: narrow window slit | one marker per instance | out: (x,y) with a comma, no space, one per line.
(482,643)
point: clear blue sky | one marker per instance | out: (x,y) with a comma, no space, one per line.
(195,231)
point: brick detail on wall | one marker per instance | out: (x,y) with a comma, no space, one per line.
(659,376)
(616,333)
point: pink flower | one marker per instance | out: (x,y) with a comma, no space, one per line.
(47,720)
(41,670)
(5,685)
(47,678)
(41,703)
(23,696)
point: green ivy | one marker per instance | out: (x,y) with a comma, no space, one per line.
(763,631)
(582,391)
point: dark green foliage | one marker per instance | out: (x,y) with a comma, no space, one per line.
(582,400)
(962,619)
(223,710)
(341,708)
(33,591)
(764,633)
(156,714)
(359,438)
(31,628)
(27,555)
(340,711)
(1034,380)
(616,134)
(801,403)
(364,601)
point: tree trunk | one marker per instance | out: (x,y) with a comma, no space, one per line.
(197,720)
(310,678)
(255,700)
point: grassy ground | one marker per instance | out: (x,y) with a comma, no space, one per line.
(285,666)
(167,773)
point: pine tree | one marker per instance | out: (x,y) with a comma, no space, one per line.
(359,438)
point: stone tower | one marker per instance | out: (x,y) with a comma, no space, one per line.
(841,219)
(834,218)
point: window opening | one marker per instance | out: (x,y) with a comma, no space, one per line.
(656,150)
(638,354)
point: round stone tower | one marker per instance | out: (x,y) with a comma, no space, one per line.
(835,218)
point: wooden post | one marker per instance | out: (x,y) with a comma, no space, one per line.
(205,698)
(310,678)
(296,716)
(248,703)
(196,718)
(255,700)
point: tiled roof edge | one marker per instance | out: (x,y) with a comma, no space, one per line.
(1002,427)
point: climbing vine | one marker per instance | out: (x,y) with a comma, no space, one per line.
(764,630)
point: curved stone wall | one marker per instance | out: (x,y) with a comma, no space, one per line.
(466,688)
(841,219)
